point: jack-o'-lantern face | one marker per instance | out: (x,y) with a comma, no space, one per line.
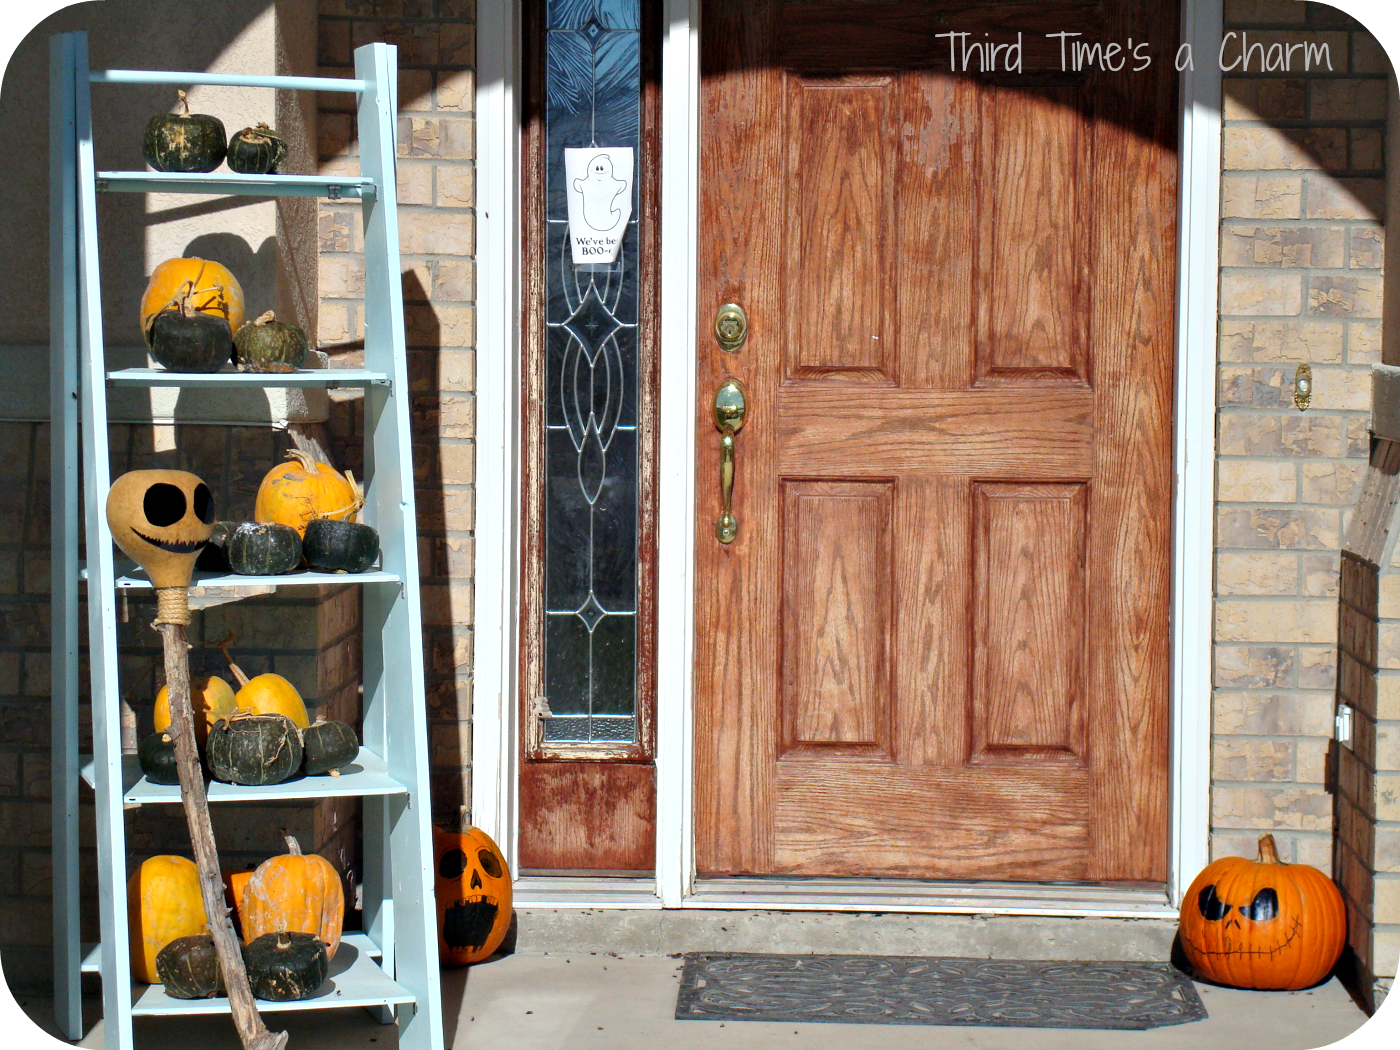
(161,519)
(473,891)
(1262,924)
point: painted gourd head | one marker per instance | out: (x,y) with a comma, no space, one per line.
(161,519)
(473,891)
(1262,923)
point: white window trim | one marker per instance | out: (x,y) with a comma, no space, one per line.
(494,766)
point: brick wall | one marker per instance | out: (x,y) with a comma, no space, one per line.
(437,223)
(1301,252)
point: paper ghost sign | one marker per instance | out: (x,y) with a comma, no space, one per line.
(599,182)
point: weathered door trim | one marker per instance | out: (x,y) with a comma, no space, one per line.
(498,416)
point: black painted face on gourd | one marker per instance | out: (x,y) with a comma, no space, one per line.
(165,505)
(467,923)
(1263,908)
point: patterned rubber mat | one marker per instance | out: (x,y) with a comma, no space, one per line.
(891,989)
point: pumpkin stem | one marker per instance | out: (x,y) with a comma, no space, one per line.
(293,846)
(1268,850)
(283,941)
(266,318)
(184,102)
(237,672)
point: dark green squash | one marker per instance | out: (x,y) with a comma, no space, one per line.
(328,745)
(256,151)
(253,749)
(339,546)
(156,754)
(269,345)
(184,141)
(189,341)
(189,968)
(286,967)
(214,556)
(263,549)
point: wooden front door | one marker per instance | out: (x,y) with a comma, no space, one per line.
(939,645)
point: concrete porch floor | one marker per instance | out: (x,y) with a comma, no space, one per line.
(585,1001)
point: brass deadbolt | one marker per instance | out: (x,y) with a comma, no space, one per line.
(731,327)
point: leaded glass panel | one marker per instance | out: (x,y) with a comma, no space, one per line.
(592,97)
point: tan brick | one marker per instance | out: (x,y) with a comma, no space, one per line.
(1310,761)
(1388,849)
(1366,248)
(1332,198)
(334,324)
(1280,52)
(1258,434)
(336,231)
(457,370)
(1251,148)
(1273,714)
(1342,389)
(447,138)
(455,279)
(1261,197)
(1283,528)
(456,186)
(452,745)
(417,281)
(341,276)
(1263,620)
(1368,149)
(1267,808)
(1332,482)
(1266,386)
(457,417)
(1385,953)
(436,233)
(1251,759)
(1320,575)
(414,183)
(1344,296)
(417,41)
(1388,646)
(457,45)
(1388,596)
(1312,341)
(1260,294)
(1286,247)
(415,90)
(1271,99)
(458,463)
(1347,100)
(1388,796)
(335,135)
(1253,12)
(333,43)
(449,604)
(1237,573)
(1256,481)
(457,91)
(1387,746)
(1388,696)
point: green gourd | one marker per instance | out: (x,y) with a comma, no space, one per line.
(263,549)
(189,341)
(156,753)
(214,556)
(269,345)
(185,141)
(286,967)
(327,746)
(339,546)
(256,151)
(189,968)
(253,749)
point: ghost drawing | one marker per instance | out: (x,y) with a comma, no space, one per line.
(599,190)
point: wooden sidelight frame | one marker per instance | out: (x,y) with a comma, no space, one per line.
(593,801)
(495,726)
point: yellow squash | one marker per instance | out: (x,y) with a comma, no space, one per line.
(163,904)
(266,694)
(212,698)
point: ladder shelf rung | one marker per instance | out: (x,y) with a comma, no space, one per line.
(335,187)
(327,377)
(367,775)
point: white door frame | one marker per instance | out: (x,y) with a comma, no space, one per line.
(494,765)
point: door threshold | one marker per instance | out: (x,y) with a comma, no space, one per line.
(1050,899)
(1101,900)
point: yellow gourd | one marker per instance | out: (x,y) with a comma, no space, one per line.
(267,694)
(163,904)
(297,893)
(211,288)
(299,491)
(212,698)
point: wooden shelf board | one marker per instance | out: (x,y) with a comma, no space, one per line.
(367,775)
(227,182)
(327,377)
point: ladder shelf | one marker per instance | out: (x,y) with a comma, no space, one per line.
(391,966)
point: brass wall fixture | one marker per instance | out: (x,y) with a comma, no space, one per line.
(1302,387)
(731,407)
(731,327)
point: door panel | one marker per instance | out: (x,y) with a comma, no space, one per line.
(938,646)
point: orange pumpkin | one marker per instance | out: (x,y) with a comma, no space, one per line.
(1263,924)
(298,893)
(297,492)
(473,891)
(212,698)
(210,287)
(163,904)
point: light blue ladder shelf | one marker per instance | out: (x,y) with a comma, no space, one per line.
(392,967)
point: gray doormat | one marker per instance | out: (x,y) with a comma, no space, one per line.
(892,989)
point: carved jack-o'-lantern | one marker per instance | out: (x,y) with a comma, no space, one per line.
(1263,924)
(161,519)
(473,894)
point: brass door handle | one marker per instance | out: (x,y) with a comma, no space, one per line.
(730,409)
